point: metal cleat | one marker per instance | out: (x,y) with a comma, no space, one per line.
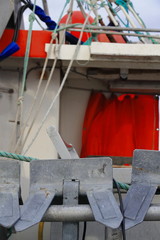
(145,180)
(9,192)
(47,180)
(105,208)
(41,195)
(65,151)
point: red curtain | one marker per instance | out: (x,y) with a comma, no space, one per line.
(118,125)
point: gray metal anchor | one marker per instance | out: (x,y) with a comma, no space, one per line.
(105,208)
(47,179)
(9,192)
(40,198)
(145,180)
(102,202)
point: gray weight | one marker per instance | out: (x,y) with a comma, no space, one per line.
(145,180)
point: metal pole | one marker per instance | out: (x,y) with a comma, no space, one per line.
(70,230)
(117,28)
(117,33)
(45,7)
(81,213)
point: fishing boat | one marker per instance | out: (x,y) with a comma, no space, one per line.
(79,121)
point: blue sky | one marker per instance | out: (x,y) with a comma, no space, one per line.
(147,9)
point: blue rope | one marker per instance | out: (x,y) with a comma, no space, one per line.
(9,50)
(122,3)
(52,25)
(44,18)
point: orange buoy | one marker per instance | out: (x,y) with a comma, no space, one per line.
(77,17)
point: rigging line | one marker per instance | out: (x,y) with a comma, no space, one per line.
(129,19)
(95,11)
(45,90)
(40,81)
(93,6)
(35,97)
(26,60)
(62,84)
(84,15)
(110,14)
(41,78)
(116,14)
(140,21)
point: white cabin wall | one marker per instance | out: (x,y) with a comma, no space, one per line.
(72,111)
(43,147)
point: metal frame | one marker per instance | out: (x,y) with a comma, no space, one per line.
(84,212)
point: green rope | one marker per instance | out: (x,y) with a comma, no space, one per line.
(122,3)
(143,23)
(115,13)
(60,16)
(16,156)
(123,186)
(26,58)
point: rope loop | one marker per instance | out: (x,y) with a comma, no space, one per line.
(103,4)
(32,17)
(20,100)
(54,35)
(122,3)
(69,12)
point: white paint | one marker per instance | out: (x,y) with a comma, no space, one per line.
(43,147)
(6,10)
(67,52)
(111,55)
(125,50)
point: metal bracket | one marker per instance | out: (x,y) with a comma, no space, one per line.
(145,180)
(41,196)
(9,192)
(105,208)
(47,177)
(66,151)
(102,203)
(70,198)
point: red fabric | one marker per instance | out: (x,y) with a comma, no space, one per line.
(95,105)
(146,122)
(114,127)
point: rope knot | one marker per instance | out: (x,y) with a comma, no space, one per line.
(54,35)
(20,100)
(32,17)
(102,4)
